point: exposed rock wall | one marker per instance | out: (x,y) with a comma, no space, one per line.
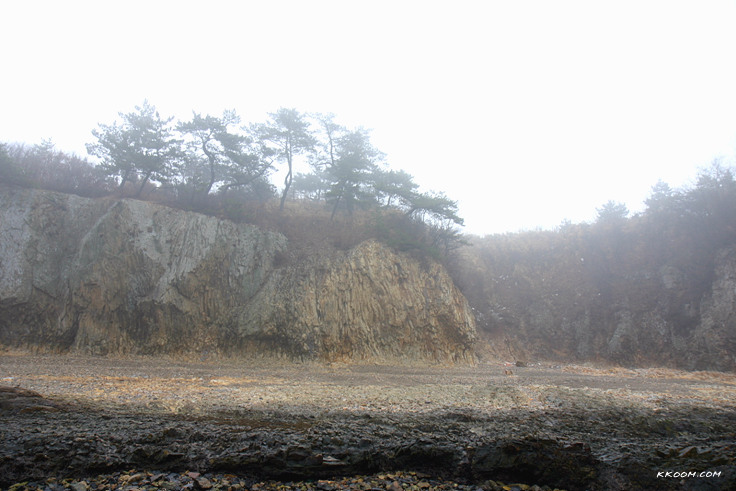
(713,342)
(125,276)
(374,302)
(653,318)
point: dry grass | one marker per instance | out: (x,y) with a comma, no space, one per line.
(160,385)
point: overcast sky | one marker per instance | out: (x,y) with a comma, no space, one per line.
(526,112)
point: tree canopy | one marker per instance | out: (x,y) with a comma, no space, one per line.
(212,154)
(140,149)
(287,135)
(226,164)
(218,157)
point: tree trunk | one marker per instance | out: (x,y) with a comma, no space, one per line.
(287,185)
(143,184)
(288,178)
(212,161)
(123,181)
(334,208)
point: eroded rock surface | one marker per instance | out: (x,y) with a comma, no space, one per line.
(112,276)
(548,303)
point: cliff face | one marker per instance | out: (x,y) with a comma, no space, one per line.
(124,276)
(374,302)
(650,317)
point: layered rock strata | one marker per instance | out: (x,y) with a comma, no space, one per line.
(111,276)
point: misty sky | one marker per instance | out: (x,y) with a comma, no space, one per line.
(526,112)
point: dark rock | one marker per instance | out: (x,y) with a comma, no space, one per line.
(571,467)
(203,483)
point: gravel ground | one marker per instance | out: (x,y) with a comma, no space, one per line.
(144,423)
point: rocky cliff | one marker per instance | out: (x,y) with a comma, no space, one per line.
(536,308)
(125,276)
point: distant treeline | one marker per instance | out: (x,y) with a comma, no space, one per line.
(681,229)
(661,261)
(215,164)
(218,165)
(567,290)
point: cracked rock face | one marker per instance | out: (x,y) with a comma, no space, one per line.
(372,302)
(123,276)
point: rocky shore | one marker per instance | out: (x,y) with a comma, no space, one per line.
(140,423)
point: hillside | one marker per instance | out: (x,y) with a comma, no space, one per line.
(114,275)
(111,276)
(655,289)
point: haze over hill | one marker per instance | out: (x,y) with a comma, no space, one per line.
(240,302)
(361,268)
(527,113)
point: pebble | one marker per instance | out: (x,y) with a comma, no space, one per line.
(80,486)
(203,483)
(133,480)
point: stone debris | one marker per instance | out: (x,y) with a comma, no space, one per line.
(133,480)
(274,425)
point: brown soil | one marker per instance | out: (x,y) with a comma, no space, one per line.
(572,427)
